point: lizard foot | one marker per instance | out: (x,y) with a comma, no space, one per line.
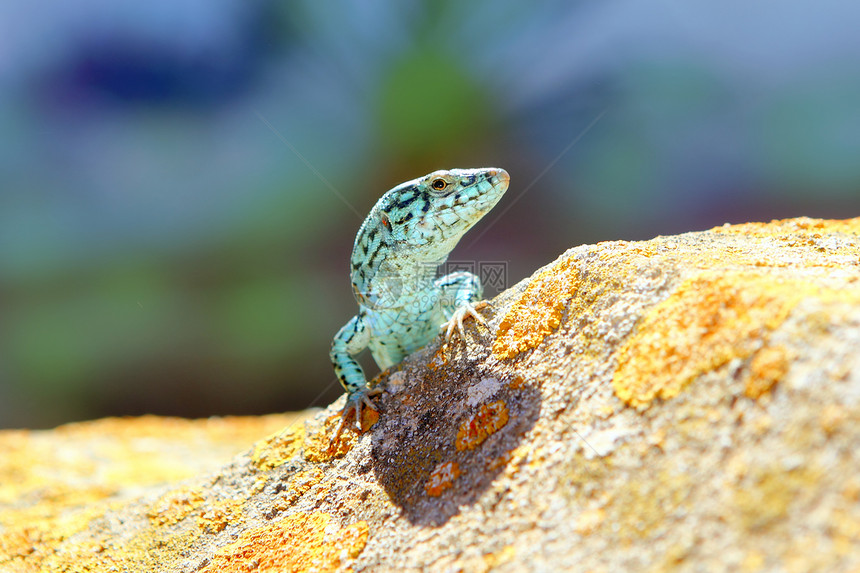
(354,403)
(465,311)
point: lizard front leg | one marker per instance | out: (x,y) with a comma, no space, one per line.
(461,293)
(348,342)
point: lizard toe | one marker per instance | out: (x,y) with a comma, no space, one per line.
(462,313)
(353,407)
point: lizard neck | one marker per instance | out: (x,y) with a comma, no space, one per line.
(390,277)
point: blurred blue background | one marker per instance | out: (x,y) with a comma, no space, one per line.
(181,181)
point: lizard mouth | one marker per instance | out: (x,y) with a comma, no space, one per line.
(499,178)
(442,229)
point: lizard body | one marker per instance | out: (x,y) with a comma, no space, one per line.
(407,235)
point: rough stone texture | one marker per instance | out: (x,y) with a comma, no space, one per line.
(685,403)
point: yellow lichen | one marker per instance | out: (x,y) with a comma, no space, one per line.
(278,448)
(489,419)
(148,549)
(299,542)
(320,447)
(53,484)
(175,506)
(706,322)
(562,287)
(297,486)
(220,515)
(79,464)
(797,225)
(22,544)
(538,312)
(768,367)
(441,478)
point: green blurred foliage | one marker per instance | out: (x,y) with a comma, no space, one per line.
(430,107)
(807,142)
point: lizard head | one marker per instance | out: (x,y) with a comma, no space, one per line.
(428,215)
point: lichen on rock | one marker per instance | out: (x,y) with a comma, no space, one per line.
(690,402)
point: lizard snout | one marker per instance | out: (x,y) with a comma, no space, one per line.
(499,176)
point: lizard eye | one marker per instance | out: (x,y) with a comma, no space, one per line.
(439,184)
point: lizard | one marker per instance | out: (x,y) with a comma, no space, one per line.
(402,305)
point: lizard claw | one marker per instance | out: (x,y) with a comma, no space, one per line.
(466,310)
(354,403)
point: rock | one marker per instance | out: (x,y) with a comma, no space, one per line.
(689,402)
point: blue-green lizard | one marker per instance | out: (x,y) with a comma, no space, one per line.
(402,305)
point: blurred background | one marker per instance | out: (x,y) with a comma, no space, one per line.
(181,181)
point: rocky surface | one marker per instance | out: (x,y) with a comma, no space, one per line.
(685,403)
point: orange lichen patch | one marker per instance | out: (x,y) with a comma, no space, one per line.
(799,224)
(440,357)
(52,501)
(54,483)
(299,542)
(441,478)
(298,485)
(220,515)
(234,429)
(18,542)
(175,506)
(768,367)
(46,473)
(489,419)
(278,448)
(25,545)
(321,446)
(369,417)
(539,311)
(706,322)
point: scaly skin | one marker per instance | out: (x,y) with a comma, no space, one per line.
(407,235)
